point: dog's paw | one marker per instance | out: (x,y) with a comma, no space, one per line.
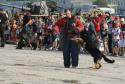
(96,66)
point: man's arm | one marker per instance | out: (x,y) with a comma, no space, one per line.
(79,25)
(60,23)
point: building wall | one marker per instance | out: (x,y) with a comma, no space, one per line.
(120,5)
(75,3)
(63,3)
(81,2)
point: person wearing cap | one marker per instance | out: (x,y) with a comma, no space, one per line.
(3,19)
(71,29)
(115,39)
(122,37)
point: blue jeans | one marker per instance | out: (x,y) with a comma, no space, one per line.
(70,52)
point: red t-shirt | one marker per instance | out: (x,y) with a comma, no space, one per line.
(97,24)
(60,23)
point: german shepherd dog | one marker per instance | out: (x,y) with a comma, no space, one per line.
(92,49)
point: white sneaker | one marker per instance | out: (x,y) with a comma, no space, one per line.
(50,48)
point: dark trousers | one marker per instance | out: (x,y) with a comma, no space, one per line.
(2,36)
(70,52)
(110,42)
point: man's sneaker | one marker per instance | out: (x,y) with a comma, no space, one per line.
(2,45)
(116,55)
(74,66)
(51,48)
(67,66)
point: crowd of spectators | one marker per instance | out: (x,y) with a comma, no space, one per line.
(41,32)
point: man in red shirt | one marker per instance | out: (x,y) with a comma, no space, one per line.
(70,27)
(97,22)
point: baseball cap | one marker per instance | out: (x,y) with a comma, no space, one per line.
(122,19)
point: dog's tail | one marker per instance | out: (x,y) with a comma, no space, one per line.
(107,59)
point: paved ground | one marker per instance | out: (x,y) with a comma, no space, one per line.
(46,67)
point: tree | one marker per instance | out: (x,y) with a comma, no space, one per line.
(52,5)
(101,3)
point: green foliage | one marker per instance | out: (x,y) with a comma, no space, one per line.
(52,5)
(101,3)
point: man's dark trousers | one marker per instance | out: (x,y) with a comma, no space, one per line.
(70,52)
(2,35)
